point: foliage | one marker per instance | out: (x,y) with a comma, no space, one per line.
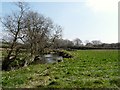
(88,69)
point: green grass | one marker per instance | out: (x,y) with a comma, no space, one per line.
(88,69)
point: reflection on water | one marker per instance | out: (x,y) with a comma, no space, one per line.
(49,58)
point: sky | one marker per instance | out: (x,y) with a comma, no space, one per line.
(84,19)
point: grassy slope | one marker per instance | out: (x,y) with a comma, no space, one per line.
(88,69)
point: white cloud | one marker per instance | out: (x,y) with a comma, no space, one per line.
(103,5)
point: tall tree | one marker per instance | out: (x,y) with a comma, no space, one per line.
(14,24)
(40,32)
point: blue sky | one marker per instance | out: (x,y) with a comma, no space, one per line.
(87,20)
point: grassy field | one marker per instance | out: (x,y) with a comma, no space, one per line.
(88,69)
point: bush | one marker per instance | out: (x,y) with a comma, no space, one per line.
(13,63)
(63,53)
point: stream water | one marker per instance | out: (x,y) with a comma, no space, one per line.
(50,58)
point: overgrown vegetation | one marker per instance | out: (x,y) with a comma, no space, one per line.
(88,69)
(30,30)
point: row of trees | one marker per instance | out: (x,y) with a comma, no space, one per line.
(77,43)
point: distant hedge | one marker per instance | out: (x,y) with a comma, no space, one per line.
(91,48)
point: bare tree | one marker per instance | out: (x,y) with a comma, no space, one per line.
(39,33)
(77,42)
(56,35)
(96,42)
(33,30)
(86,41)
(14,24)
(89,44)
